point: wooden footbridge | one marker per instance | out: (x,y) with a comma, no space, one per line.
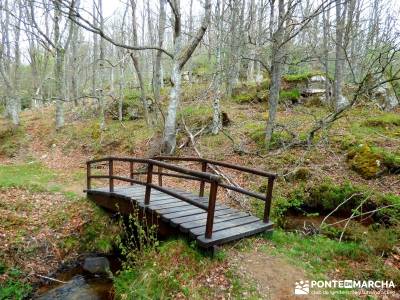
(177,210)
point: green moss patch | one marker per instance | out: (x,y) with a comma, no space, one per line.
(385,120)
(292,95)
(195,116)
(300,77)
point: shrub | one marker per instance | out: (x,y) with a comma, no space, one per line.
(301,174)
(283,206)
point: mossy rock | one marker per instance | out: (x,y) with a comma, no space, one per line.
(301,174)
(366,162)
(249,93)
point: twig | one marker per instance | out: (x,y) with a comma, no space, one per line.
(364,213)
(352,215)
(49,278)
(337,207)
(215,169)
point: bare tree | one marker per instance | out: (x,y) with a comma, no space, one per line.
(180,56)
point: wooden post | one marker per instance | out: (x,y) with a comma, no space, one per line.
(211,209)
(131,171)
(203,169)
(160,169)
(88,174)
(111,174)
(268,199)
(148,181)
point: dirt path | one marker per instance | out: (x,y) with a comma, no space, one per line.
(274,277)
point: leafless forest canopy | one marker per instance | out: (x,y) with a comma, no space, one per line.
(70,53)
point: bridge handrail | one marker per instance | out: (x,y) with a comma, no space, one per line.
(191,174)
(267,197)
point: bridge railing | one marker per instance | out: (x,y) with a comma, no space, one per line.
(205,163)
(150,163)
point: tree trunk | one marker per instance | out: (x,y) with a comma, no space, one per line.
(58,67)
(157,81)
(180,57)
(325,20)
(340,101)
(277,56)
(217,122)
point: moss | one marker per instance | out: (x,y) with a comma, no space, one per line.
(247,93)
(292,95)
(247,97)
(300,77)
(243,98)
(195,116)
(256,131)
(370,161)
(391,161)
(385,120)
(301,174)
(365,162)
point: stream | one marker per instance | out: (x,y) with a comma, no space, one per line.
(87,279)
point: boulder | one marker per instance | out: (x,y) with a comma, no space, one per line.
(96,265)
(316,88)
(385,96)
(75,289)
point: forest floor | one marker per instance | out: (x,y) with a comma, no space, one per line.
(48,222)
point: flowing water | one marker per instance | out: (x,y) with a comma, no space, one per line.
(80,284)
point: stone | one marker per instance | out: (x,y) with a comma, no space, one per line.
(385,97)
(317,78)
(341,103)
(96,265)
(75,289)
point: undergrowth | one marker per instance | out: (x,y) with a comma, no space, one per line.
(13,287)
